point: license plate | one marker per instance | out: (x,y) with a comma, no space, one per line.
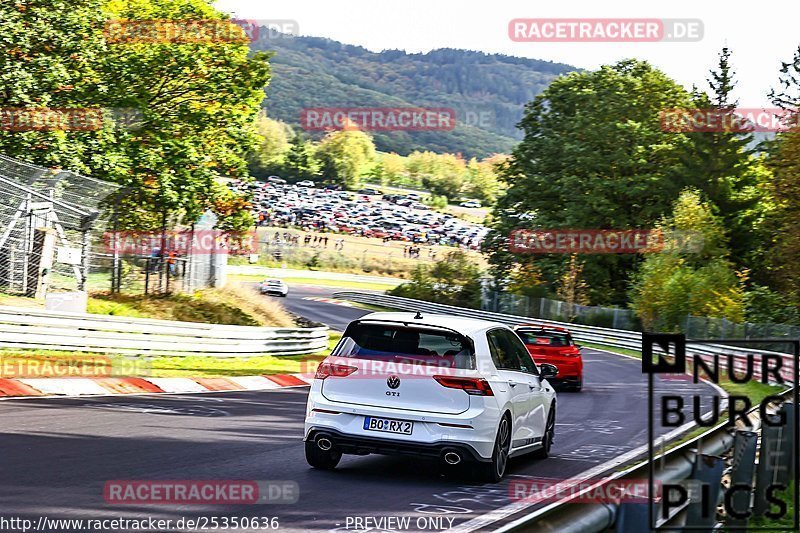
(388,425)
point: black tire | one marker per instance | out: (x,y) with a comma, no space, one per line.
(577,386)
(494,471)
(322,459)
(549,435)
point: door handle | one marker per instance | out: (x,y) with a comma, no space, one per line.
(513,383)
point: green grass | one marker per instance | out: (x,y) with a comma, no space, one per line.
(787,521)
(38,363)
(754,390)
(373,308)
(623,351)
(221,367)
(233,305)
(233,366)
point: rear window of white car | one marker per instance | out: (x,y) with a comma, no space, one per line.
(402,344)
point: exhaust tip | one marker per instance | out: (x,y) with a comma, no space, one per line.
(452,458)
(324,444)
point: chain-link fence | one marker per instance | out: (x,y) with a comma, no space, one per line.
(158,262)
(611,317)
(545,308)
(57,231)
(47,220)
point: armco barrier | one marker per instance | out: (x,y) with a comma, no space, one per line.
(84,332)
(673,466)
(615,338)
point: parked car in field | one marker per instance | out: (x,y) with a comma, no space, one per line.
(463,391)
(277,180)
(470,203)
(554,345)
(305,183)
(274,286)
(369,191)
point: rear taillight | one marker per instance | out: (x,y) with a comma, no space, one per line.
(474,386)
(325,370)
(573,351)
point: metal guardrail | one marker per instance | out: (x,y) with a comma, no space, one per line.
(84,332)
(698,460)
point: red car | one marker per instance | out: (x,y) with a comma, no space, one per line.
(554,345)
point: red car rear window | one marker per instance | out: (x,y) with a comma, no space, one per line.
(548,338)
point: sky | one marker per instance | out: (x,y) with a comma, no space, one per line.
(760,34)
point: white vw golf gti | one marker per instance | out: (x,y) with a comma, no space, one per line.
(455,389)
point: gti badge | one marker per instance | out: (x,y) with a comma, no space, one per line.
(393,382)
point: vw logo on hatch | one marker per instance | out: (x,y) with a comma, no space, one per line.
(393,382)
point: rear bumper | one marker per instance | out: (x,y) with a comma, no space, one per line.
(561,381)
(361,445)
(568,367)
(273,291)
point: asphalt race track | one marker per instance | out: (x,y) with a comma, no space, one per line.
(334,316)
(57,454)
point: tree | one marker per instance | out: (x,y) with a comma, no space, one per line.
(198,101)
(268,156)
(724,166)
(193,103)
(300,161)
(453,281)
(51,59)
(594,156)
(783,259)
(441,174)
(390,169)
(482,182)
(345,156)
(572,289)
(680,280)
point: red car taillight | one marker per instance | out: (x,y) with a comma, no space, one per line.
(325,370)
(572,352)
(474,386)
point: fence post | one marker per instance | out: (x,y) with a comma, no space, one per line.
(147,275)
(787,445)
(632,517)
(707,471)
(774,460)
(742,470)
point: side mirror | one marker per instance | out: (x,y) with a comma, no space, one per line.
(547,371)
